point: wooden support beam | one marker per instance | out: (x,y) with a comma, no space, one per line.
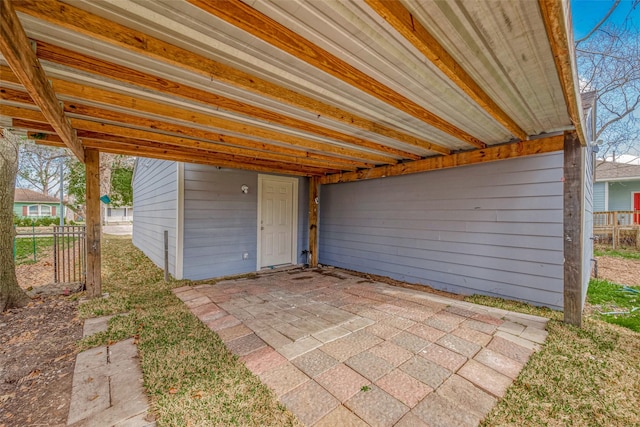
(411,29)
(572,238)
(92,140)
(17,51)
(314,202)
(500,152)
(94,279)
(555,17)
(92,25)
(154,153)
(110,70)
(295,146)
(259,25)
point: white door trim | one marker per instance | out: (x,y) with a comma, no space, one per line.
(294,217)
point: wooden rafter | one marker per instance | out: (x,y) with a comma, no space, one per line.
(499,152)
(411,29)
(187,143)
(110,70)
(561,42)
(134,149)
(84,22)
(141,105)
(16,49)
(259,25)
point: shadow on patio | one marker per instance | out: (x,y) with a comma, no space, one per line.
(338,349)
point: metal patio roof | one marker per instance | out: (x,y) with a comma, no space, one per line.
(315,88)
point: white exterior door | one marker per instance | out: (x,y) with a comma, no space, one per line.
(277,216)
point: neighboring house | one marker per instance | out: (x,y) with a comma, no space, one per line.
(29,203)
(493,229)
(616,187)
(120,214)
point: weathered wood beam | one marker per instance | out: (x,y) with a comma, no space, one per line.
(139,105)
(107,69)
(154,153)
(108,132)
(96,140)
(411,29)
(259,25)
(17,51)
(314,201)
(94,263)
(572,229)
(500,152)
(103,114)
(560,37)
(84,22)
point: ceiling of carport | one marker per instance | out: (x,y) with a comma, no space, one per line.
(297,87)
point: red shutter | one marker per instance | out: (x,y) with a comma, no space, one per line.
(25,211)
(53,211)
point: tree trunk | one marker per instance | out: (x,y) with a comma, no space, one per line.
(11,295)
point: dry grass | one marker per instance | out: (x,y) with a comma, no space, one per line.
(581,377)
(191,377)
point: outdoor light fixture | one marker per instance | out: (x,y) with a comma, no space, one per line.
(245,188)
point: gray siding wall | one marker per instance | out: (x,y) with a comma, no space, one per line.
(220,222)
(155,200)
(587,227)
(599,196)
(493,229)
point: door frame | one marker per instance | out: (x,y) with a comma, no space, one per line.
(294,216)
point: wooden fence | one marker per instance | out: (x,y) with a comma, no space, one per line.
(617,228)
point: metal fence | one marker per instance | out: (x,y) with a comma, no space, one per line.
(69,254)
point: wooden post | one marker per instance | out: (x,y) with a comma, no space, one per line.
(314,191)
(94,281)
(573,189)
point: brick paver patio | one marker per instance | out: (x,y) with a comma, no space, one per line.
(340,350)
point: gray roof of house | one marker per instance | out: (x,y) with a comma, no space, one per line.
(612,171)
(23,195)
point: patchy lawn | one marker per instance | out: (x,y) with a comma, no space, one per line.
(615,304)
(191,377)
(581,377)
(29,249)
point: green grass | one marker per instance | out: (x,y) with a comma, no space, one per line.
(606,297)
(618,253)
(24,248)
(585,376)
(188,372)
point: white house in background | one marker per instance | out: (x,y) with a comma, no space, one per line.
(117,215)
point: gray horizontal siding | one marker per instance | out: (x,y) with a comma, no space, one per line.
(493,229)
(599,196)
(220,222)
(587,225)
(154,196)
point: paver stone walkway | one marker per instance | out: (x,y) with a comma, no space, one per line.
(338,349)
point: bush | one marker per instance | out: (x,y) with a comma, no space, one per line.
(44,221)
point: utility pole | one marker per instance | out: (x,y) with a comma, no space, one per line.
(61,191)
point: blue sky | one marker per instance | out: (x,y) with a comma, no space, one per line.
(587,13)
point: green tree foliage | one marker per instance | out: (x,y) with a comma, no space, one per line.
(121,193)
(121,189)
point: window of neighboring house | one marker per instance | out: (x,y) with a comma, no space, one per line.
(40,210)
